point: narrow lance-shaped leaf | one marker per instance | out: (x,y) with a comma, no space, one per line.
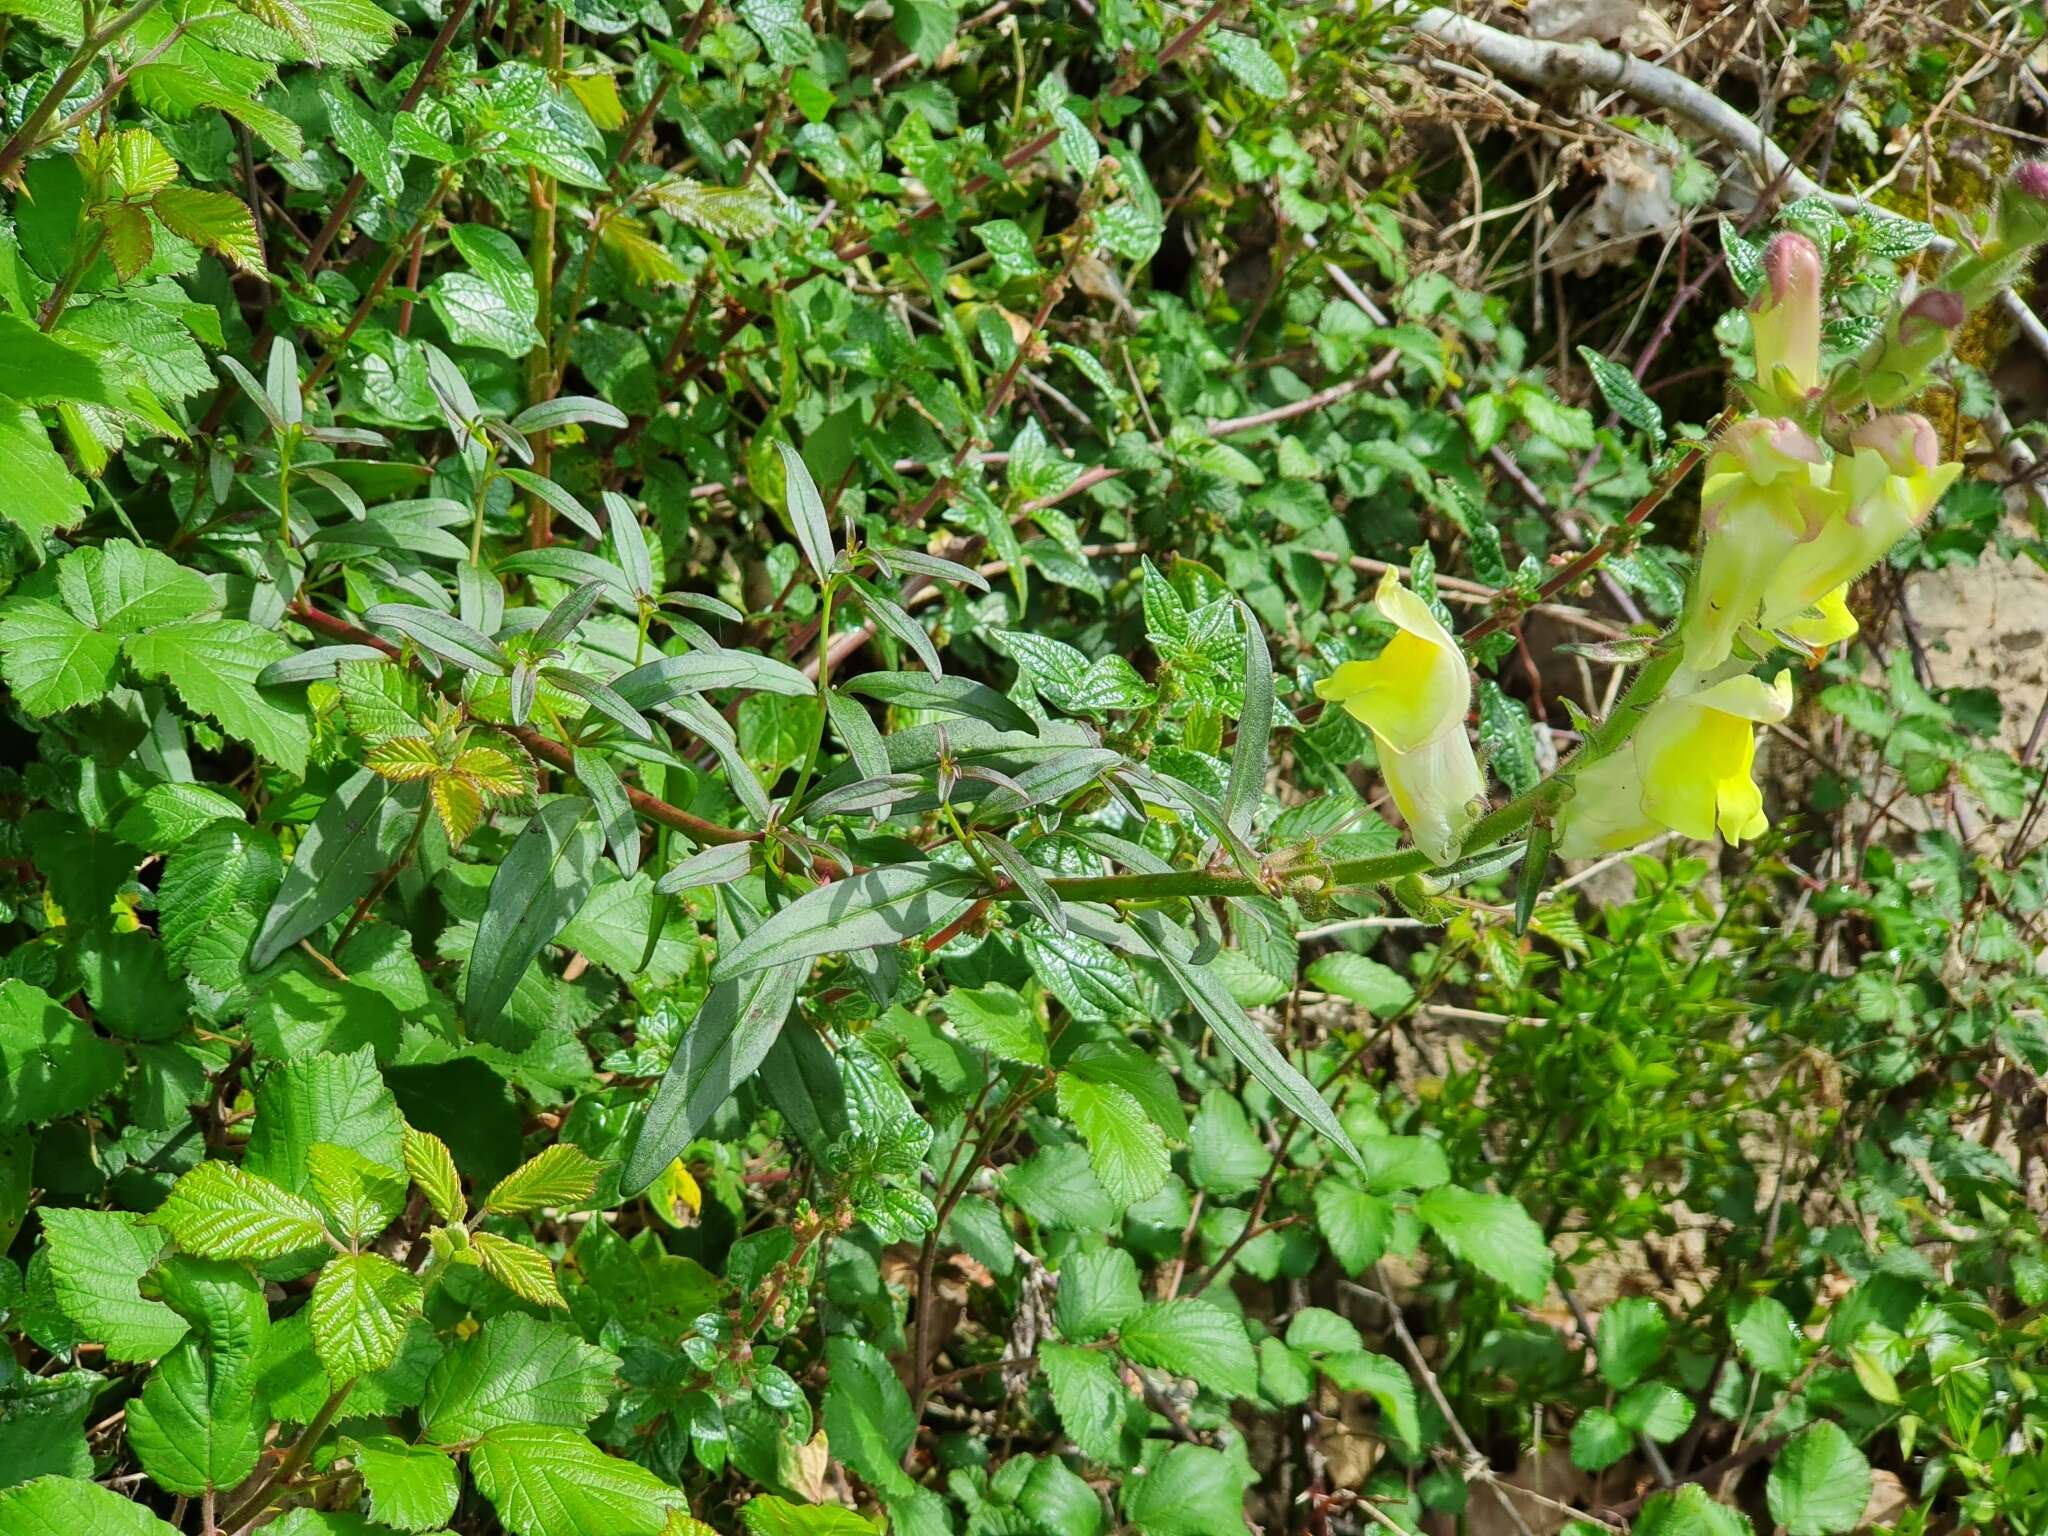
(723,1045)
(883,906)
(543,883)
(614,811)
(629,543)
(807,519)
(1254,730)
(1239,1034)
(357,834)
(894,620)
(442,635)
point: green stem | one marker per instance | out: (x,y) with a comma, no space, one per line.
(53,306)
(17,148)
(412,843)
(246,1512)
(1382,869)
(827,590)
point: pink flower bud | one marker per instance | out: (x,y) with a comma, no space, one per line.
(1907,443)
(1792,263)
(1939,307)
(2033,179)
(1786,318)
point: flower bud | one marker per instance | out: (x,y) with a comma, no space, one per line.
(2023,210)
(1930,317)
(1785,320)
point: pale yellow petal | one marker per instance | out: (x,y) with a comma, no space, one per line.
(1439,789)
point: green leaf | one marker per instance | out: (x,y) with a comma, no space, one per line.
(219,221)
(221,1211)
(1193,1491)
(42,1422)
(49,660)
(494,303)
(411,1487)
(866,911)
(867,1413)
(545,1480)
(727,1040)
(1507,738)
(52,1063)
(516,1369)
(37,368)
(197,1424)
(1624,396)
(562,1175)
(213,664)
(1127,1150)
(43,496)
(1250,64)
(361,1304)
(1820,1483)
(1656,1409)
(1098,1291)
(767,1515)
(361,1197)
(68,1506)
(120,588)
(780,26)
(432,1167)
(1629,1339)
(1194,1338)
(1493,1234)
(97,1261)
(893,619)
(442,635)
(1767,1337)
(325,1097)
(1379,989)
(1402,1162)
(807,519)
(357,835)
(1599,1440)
(614,811)
(1355,1224)
(943,695)
(523,1271)
(1090,1399)
(544,880)
(999,1021)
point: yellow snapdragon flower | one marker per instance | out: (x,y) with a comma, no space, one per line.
(1888,481)
(1768,486)
(1414,697)
(1687,769)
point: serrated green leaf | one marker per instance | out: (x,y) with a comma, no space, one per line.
(1493,1234)
(545,1480)
(1126,1149)
(97,1261)
(562,1175)
(221,1211)
(523,1271)
(432,1167)
(361,1305)
(411,1487)
(516,1369)
(213,664)
(1820,1483)
(1195,1338)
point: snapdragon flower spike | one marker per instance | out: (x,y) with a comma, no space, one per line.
(1414,697)
(1785,322)
(1687,769)
(1886,484)
(1768,486)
